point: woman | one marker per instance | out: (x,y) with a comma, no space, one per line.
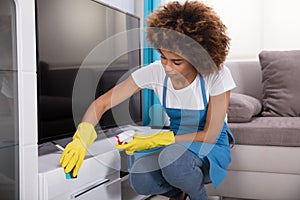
(194,89)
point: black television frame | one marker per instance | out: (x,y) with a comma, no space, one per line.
(40,73)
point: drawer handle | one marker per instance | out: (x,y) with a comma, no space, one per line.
(89,188)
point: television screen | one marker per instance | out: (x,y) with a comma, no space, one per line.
(84,48)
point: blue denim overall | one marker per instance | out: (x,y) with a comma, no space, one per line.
(182,121)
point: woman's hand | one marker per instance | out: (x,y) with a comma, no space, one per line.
(75,151)
(147,141)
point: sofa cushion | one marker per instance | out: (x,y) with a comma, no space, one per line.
(274,131)
(242,107)
(280,77)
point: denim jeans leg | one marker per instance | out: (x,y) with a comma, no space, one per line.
(145,178)
(182,169)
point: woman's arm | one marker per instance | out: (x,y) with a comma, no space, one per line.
(217,109)
(113,97)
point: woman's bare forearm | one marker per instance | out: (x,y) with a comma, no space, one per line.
(110,99)
(94,112)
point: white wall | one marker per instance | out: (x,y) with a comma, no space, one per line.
(281,24)
(244,22)
(125,5)
(255,25)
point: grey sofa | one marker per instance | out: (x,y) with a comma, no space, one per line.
(265,160)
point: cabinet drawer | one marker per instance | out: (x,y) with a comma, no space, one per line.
(108,188)
(104,189)
(53,184)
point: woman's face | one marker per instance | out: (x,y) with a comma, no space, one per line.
(176,67)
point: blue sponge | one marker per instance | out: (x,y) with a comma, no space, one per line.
(69,175)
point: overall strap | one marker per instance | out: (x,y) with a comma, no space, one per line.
(165,91)
(202,83)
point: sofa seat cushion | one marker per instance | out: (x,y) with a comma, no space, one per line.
(270,131)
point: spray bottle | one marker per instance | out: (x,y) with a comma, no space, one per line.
(124,137)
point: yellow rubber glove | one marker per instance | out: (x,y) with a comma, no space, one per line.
(75,151)
(147,141)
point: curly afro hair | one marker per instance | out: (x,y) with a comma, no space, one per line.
(197,22)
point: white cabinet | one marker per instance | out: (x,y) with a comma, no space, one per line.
(104,189)
(98,178)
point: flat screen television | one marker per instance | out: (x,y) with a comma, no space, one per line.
(84,48)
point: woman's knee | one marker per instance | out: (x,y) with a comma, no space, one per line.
(178,164)
(145,175)
(172,161)
(172,156)
(140,183)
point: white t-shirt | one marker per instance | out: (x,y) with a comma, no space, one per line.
(190,97)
